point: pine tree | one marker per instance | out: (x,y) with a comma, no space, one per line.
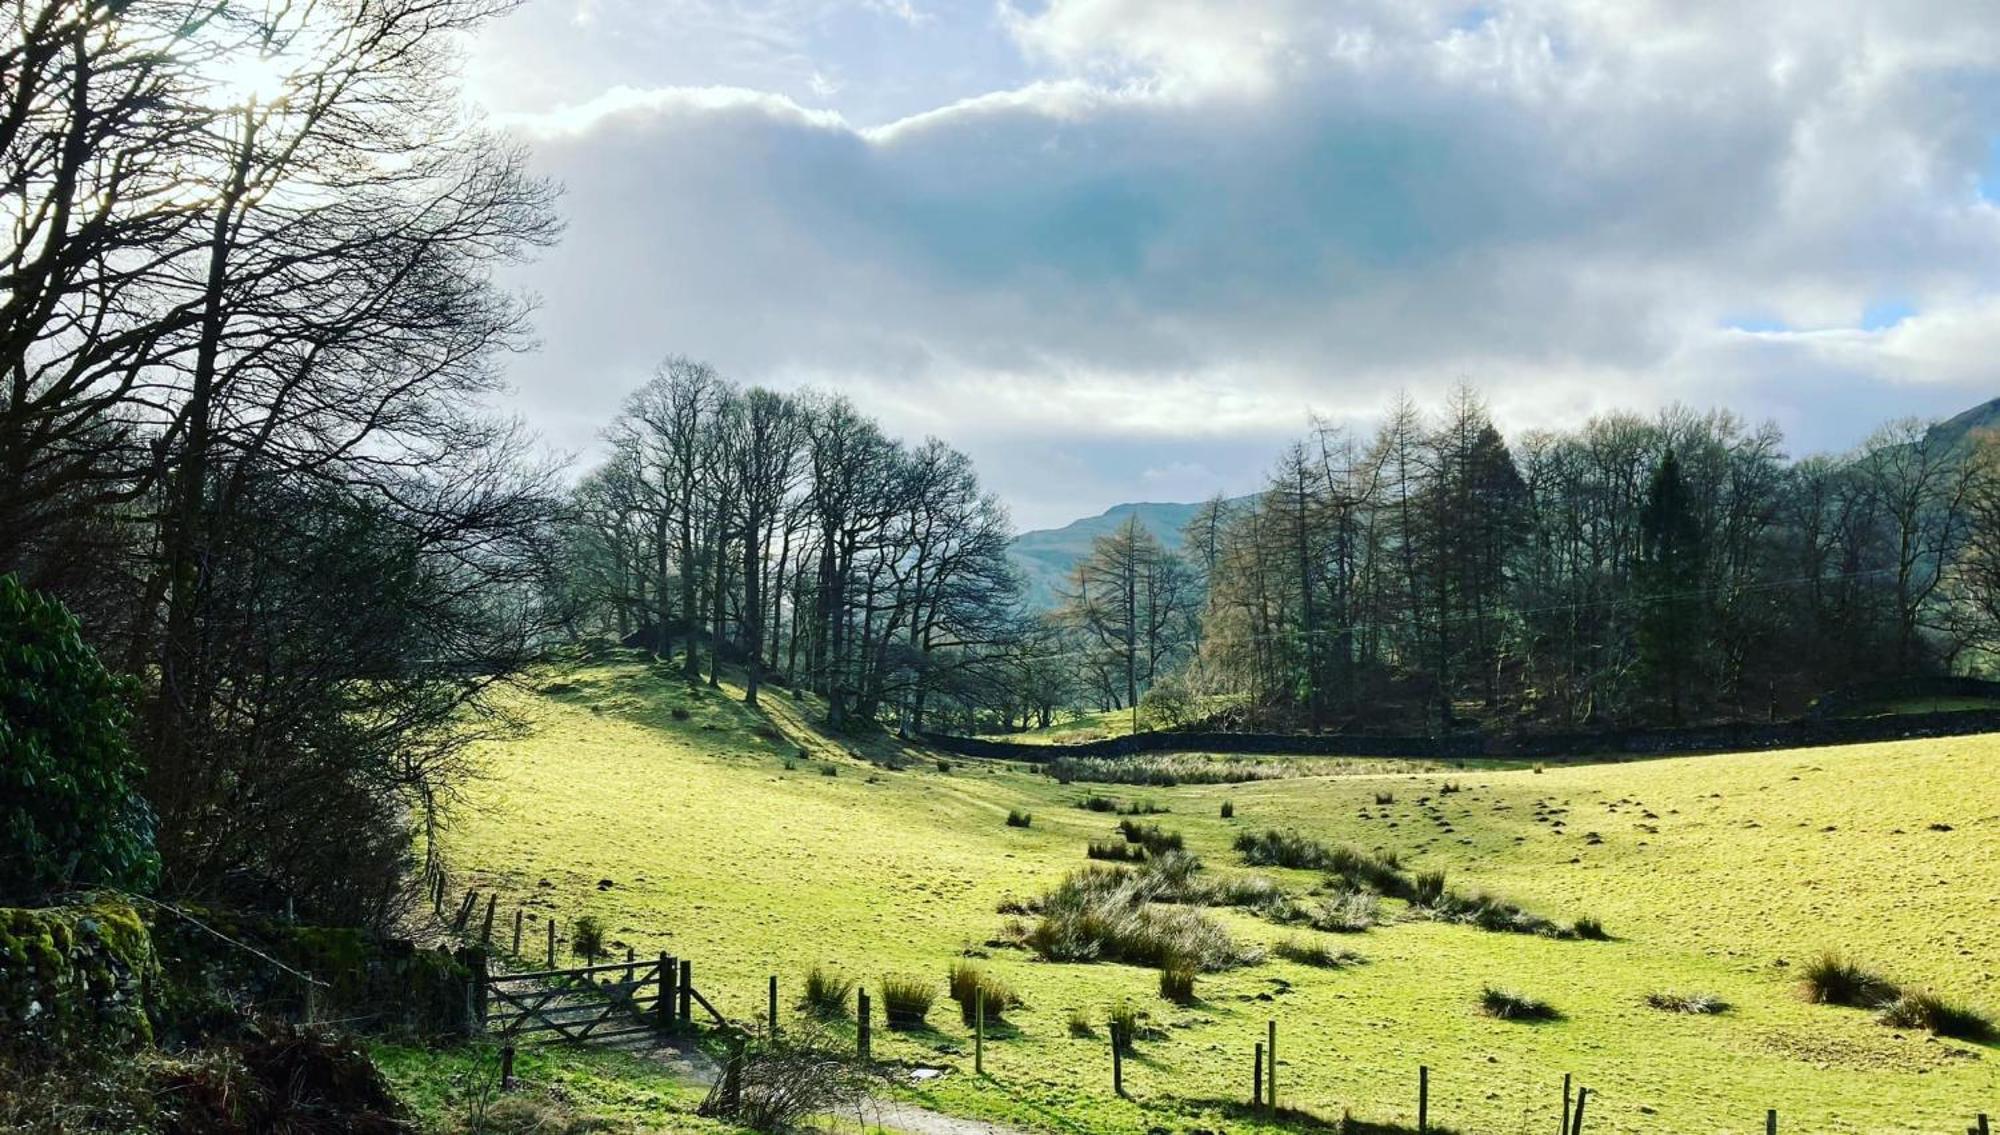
(1672,610)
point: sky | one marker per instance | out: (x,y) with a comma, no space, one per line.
(1126,249)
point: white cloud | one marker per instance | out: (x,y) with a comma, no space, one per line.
(1214,217)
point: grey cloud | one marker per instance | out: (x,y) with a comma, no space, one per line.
(1156,262)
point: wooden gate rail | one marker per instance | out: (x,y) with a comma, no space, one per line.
(575,1004)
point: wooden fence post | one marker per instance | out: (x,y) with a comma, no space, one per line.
(1983,1128)
(486,929)
(1271,1065)
(1257,1078)
(518,912)
(732,1079)
(1564,1129)
(630,956)
(663,1004)
(552,942)
(465,908)
(772,1004)
(861,1023)
(1576,1120)
(507,1068)
(687,993)
(979,1030)
(1771,1121)
(1117,1061)
(1423,1098)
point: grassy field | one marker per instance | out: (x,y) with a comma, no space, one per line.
(756,847)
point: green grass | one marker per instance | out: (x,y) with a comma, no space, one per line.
(1724,874)
(560,1089)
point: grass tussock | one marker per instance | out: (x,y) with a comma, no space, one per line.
(1154,838)
(1696,1003)
(1169,770)
(1312,952)
(826,993)
(1933,1014)
(1019,819)
(1509,1005)
(1123,1021)
(1079,1024)
(1349,912)
(967,983)
(1833,978)
(907,1000)
(586,938)
(1382,874)
(1121,915)
(1115,851)
(1229,809)
(1177,981)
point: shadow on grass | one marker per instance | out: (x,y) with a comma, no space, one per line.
(1298,1119)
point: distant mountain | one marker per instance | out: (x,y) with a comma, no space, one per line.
(1048,556)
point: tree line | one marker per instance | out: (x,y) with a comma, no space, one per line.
(1636,570)
(788,536)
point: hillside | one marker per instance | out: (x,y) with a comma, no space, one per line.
(1047,556)
(1959,429)
(757,847)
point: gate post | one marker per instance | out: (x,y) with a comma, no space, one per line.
(663,1008)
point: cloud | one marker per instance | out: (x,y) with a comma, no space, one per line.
(1215,217)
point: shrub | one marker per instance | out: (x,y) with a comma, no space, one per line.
(1835,979)
(1933,1014)
(829,770)
(1112,914)
(1508,1005)
(1177,980)
(1312,952)
(1116,852)
(1589,928)
(783,1086)
(906,1001)
(826,993)
(1169,704)
(70,811)
(966,981)
(1096,803)
(587,938)
(1142,808)
(1687,1002)
(1019,819)
(943,765)
(1228,809)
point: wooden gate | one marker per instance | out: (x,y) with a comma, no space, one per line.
(597,1002)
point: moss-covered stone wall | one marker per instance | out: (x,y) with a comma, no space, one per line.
(84,973)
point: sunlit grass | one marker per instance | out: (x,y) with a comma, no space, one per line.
(1724,874)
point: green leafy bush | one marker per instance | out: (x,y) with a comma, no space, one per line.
(70,811)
